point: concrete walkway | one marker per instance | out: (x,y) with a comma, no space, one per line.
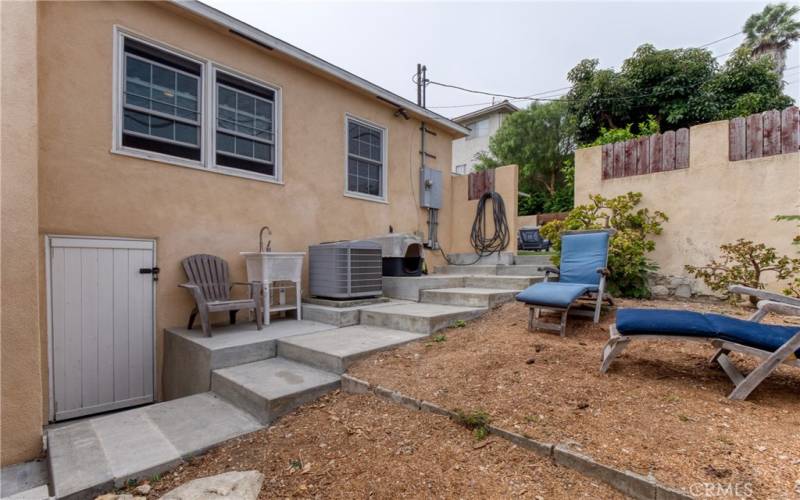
(96,454)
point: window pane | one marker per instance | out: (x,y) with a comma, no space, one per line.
(245,103)
(352,183)
(160,127)
(244,147)
(227,98)
(186,133)
(187,87)
(137,122)
(225,143)
(373,188)
(261,151)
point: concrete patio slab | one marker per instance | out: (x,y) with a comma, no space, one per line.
(208,420)
(340,316)
(335,350)
(190,357)
(270,388)
(25,480)
(94,455)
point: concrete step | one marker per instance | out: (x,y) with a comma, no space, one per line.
(273,387)
(470,297)
(418,317)
(408,288)
(94,455)
(483,269)
(336,350)
(503,282)
(519,270)
(190,357)
(533,260)
(338,316)
(469,257)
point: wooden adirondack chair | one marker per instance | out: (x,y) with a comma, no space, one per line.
(210,285)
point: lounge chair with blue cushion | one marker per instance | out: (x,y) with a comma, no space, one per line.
(581,277)
(776,344)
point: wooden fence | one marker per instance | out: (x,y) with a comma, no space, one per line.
(764,134)
(480,183)
(645,155)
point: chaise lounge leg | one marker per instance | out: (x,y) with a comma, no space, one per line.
(597,308)
(563,331)
(762,371)
(612,349)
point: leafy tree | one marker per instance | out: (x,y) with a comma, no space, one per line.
(540,140)
(629,246)
(610,136)
(771,32)
(745,263)
(677,87)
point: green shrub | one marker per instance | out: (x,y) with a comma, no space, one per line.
(628,249)
(745,263)
(476,421)
(610,136)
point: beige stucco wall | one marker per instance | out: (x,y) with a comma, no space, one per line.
(84,189)
(714,201)
(527,220)
(506,181)
(20,353)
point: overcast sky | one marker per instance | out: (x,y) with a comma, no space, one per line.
(514,48)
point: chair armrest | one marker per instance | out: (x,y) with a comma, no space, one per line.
(603,271)
(550,269)
(764,295)
(197,293)
(255,286)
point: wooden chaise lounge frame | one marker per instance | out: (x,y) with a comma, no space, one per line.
(589,305)
(744,385)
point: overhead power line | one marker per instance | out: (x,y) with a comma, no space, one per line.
(553,97)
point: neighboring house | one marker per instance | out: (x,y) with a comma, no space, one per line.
(135,134)
(482,124)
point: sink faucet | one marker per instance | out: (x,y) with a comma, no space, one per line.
(261,240)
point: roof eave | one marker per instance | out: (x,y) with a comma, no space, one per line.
(389,98)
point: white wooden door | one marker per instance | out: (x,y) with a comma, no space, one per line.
(101,324)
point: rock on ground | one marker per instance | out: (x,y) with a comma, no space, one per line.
(230,485)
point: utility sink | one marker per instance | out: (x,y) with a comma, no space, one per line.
(269,267)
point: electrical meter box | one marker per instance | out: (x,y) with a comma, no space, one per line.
(430,188)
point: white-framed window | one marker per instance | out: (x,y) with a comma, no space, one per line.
(478,129)
(461,169)
(365,168)
(245,126)
(160,100)
(177,108)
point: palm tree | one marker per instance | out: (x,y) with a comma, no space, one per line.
(771,32)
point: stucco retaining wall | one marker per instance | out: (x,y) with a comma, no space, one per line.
(712,202)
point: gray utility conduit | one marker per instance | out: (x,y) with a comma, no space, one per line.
(482,245)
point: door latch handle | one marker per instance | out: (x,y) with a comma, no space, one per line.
(150,270)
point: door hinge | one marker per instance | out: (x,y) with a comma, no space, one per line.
(150,270)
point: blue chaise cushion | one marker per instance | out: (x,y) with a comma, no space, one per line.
(554,293)
(582,254)
(694,324)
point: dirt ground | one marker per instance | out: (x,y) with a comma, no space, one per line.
(358,446)
(661,409)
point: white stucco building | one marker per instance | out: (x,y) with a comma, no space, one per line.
(482,123)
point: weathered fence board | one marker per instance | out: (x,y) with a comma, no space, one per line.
(669,150)
(762,134)
(682,148)
(772,133)
(643,155)
(737,138)
(755,136)
(479,183)
(619,158)
(629,165)
(790,130)
(608,160)
(656,153)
